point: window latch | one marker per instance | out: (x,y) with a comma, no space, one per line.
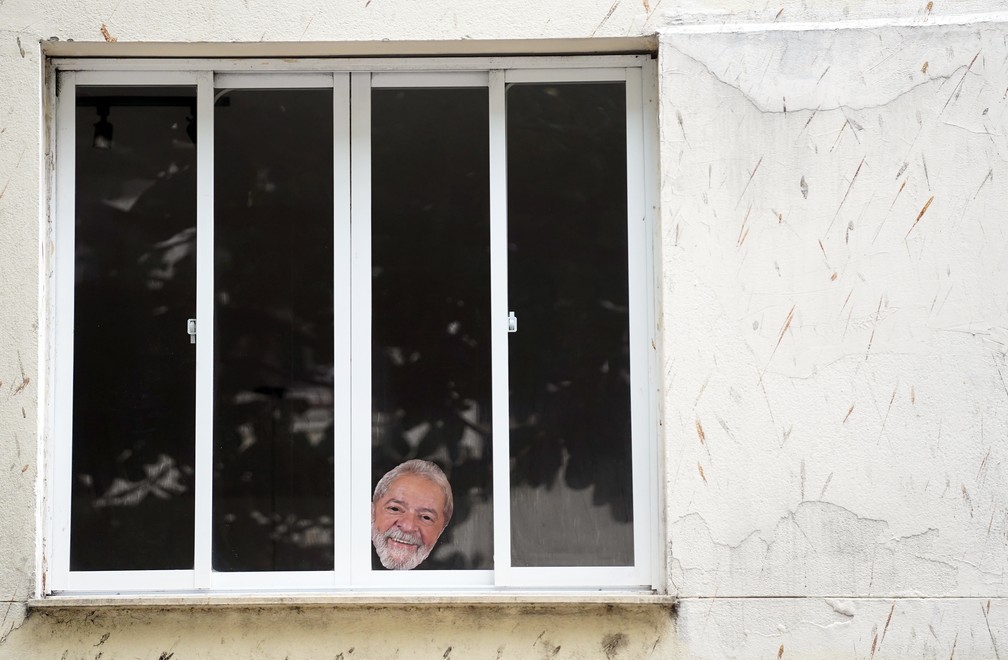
(191,329)
(512,322)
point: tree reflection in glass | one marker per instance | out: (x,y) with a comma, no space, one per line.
(273,340)
(430,302)
(132,503)
(569,366)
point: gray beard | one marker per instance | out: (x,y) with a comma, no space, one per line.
(395,560)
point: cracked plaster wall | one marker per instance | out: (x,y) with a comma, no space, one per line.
(833,257)
(835,328)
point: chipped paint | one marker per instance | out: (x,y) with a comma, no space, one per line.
(921,214)
(105,33)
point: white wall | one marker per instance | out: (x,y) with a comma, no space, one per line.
(836,322)
(843,352)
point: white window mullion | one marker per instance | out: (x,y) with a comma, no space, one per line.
(360,313)
(63,288)
(204,329)
(499,330)
(342,315)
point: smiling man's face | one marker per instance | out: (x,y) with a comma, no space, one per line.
(407,521)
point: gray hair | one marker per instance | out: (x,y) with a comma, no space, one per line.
(421,468)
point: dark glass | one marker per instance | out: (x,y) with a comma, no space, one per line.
(132,502)
(273,340)
(430,302)
(569,362)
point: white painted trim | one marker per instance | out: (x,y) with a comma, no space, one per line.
(130,581)
(377,65)
(652,183)
(461,597)
(342,325)
(637,282)
(597,577)
(384,79)
(275,80)
(273,580)
(63,300)
(564,75)
(360,357)
(204,404)
(500,421)
(427,580)
(133,77)
(45,409)
(933,20)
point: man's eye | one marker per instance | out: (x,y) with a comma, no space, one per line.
(429,519)
(393,508)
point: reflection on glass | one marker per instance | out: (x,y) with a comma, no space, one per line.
(571,499)
(132,505)
(273,340)
(430,302)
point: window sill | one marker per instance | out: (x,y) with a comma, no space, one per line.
(259,600)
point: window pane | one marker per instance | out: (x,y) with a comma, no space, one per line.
(273,340)
(134,368)
(430,302)
(571,491)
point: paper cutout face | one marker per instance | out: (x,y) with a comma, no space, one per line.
(407,520)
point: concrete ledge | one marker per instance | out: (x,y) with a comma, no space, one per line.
(287,599)
(434,48)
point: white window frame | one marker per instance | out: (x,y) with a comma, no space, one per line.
(352,81)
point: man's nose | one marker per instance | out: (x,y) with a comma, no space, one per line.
(407,523)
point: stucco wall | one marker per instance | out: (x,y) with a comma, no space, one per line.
(836,320)
(833,267)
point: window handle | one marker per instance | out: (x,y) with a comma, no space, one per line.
(512,322)
(191,329)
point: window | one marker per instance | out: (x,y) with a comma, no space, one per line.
(274,286)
